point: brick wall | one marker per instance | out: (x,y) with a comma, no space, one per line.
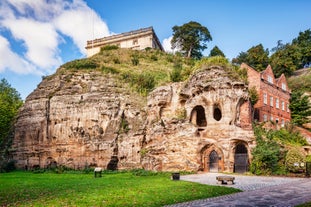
(274,95)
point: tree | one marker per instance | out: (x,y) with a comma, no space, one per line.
(303,41)
(285,60)
(10,102)
(216,52)
(289,57)
(300,108)
(256,56)
(190,39)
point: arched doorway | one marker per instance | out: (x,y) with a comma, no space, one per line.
(198,116)
(213,161)
(240,159)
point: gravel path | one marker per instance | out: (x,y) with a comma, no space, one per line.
(258,191)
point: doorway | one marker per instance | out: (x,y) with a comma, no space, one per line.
(240,159)
(213,161)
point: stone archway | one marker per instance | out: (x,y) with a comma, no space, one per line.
(212,159)
(240,158)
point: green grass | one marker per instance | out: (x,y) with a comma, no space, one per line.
(114,189)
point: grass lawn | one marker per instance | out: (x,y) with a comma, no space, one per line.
(113,189)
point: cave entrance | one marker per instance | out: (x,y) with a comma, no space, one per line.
(213,161)
(240,159)
(217,113)
(198,116)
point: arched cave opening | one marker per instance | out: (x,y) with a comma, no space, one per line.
(217,113)
(240,159)
(198,116)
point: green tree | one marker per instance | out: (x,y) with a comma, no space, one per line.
(191,39)
(300,108)
(256,56)
(216,52)
(10,102)
(285,60)
(303,41)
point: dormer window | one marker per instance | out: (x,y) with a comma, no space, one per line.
(284,86)
(270,80)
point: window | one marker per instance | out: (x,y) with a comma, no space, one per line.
(284,86)
(270,79)
(271,118)
(271,101)
(265,117)
(277,103)
(276,120)
(283,105)
(287,108)
(135,42)
(265,98)
(283,123)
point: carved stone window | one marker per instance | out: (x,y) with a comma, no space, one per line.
(198,116)
(217,113)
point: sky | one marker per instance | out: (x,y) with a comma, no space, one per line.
(38,36)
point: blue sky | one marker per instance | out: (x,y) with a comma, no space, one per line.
(37,36)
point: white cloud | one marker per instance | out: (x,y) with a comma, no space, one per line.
(168,46)
(11,60)
(81,24)
(40,40)
(40,26)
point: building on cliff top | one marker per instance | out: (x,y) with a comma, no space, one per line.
(138,39)
(274,95)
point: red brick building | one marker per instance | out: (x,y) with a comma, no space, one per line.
(274,95)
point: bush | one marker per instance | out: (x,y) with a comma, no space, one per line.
(7,166)
(293,160)
(135,59)
(109,47)
(81,64)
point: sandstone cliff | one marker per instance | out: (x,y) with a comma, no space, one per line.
(86,117)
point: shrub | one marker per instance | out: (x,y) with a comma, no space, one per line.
(7,166)
(81,64)
(135,59)
(293,160)
(154,57)
(109,47)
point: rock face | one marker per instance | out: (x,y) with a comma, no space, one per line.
(79,120)
(87,119)
(203,124)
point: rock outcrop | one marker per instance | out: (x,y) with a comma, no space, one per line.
(87,119)
(188,121)
(79,120)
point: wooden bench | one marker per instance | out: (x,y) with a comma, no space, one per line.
(225,179)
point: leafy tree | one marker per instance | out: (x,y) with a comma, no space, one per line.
(191,39)
(216,52)
(285,60)
(256,56)
(292,56)
(303,41)
(10,102)
(300,108)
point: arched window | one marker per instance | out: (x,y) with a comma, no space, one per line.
(198,116)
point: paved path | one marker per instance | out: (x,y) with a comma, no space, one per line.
(258,191)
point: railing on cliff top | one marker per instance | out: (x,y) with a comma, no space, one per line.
(90,42)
